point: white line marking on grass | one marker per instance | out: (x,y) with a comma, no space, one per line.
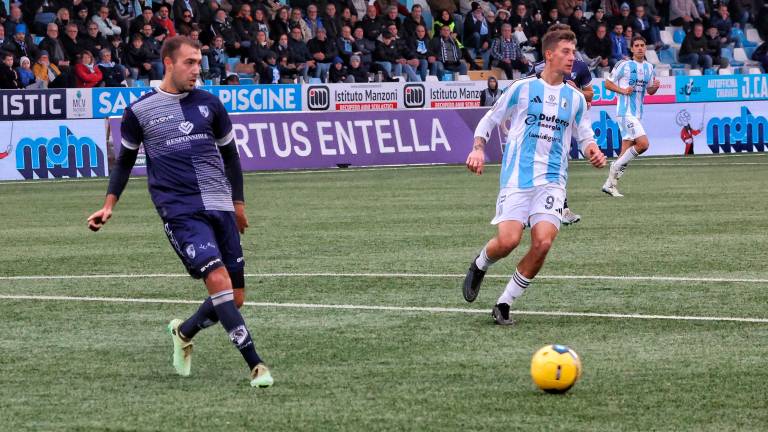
(388,308)
(396,275)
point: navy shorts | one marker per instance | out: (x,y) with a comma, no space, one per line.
(205,241)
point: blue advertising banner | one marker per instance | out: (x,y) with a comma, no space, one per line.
(32,104)
(721,88)
(52,149)
(110,102)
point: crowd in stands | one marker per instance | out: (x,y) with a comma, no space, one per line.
(87,43)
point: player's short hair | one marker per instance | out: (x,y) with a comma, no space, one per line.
(551,39)
(638,38)
(558,26)
(172,45)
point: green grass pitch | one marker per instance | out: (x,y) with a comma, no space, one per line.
(69,364)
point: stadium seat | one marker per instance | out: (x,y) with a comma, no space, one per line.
(232,63)
(662,72)
(431,78)
(208,82)
(669,56)
(155,83)
(740,55)
(725,71)
(727,53)
(710,71)
(666,37)
(448,76)
(754,71)
(653,58)
(37,40)
(678,36)
(679,72)
(754,36)
(694,72)
(314,80)
(749,50)
(246,81)
(139,83)
(737,33)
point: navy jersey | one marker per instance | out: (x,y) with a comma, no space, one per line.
(579,74)
(181,134)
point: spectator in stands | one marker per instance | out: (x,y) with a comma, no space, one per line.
(3,40)
(693,50)
(20,46)
(281,24)
(537,31)
(62,20)
(93,41)
(714,47)
(704,8)
(372,25)
(259,49)
(298,20)
(45,72)
(490,95)
(43,12)
(107,26)
(447,54)
(419,46)
(565,8)
(299,53)
(138,62)
(412,21)
(683,13)
(53,47)
(113,74)
(445,19)
(345,43)
(123,12)
(721,20)
(338,72)
(506,53)
(117,49)
(184,24)
(364,47)
(477,34)
(579,25)
(623,18)
(9,78)
(599,47)
(520,18)
(598,18)
(314,22)
(81,18)
(356,71)
(260,22)
(222,26)
(323,51)
(410,63)
(87,74)
(359,8)
(71,42)
(331,22)
(24,71)
(270,72)
(387,56)
(619,46)
(347,18)
(180,7)
(145,18)
(218,59)
(244,26)
(742,11)
(437,7)
(646,27)
(391,18)
(163,19)
(14,18)
(281,46)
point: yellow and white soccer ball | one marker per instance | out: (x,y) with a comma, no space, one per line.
(555,368)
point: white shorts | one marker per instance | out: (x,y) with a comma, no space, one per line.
(630,127)
(531,206)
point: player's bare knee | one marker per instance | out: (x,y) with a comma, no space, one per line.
(641,145)
(218,280)
(541,245)
(507,244)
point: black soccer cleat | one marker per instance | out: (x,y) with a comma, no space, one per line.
(472,282)
(500,314)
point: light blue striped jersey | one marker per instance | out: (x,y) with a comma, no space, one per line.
(638,75)
(540,119)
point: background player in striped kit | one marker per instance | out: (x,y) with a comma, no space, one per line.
(631,80)
(544,112)
(196,184)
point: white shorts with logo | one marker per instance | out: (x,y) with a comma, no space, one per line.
(530,206)
(630,127)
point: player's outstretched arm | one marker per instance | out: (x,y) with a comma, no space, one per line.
(118,179)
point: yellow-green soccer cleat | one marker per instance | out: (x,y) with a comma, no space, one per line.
(182,350)
(260,376)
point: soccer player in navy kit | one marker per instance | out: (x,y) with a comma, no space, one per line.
(196,184)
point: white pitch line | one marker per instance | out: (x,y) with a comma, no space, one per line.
(395,275)
(390,308)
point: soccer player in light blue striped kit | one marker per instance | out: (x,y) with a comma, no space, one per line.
(631,80)
(544,113)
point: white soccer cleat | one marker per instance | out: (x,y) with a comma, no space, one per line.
(611,190)
(570,217)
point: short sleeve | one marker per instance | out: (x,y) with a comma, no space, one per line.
(222,124)
(617,72)
(130,130)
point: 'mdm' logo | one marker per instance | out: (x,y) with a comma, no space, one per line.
(64,155)
(414,96)
(607,135)
(743,133)
(318,98)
